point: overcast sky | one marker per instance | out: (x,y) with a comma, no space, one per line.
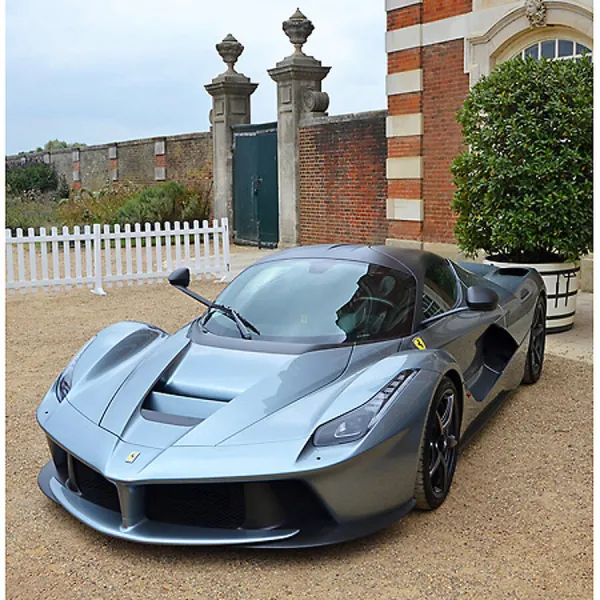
(111,70)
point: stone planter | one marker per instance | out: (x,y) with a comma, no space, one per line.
(562,286)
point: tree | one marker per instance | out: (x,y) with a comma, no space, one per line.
(57,144)
(524,185)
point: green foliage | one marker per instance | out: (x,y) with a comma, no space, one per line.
(524,186)
(31,209)
(170,201)
(58,144)
(127,203)
(30,176)
(86,207)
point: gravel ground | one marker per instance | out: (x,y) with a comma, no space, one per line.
(518,523)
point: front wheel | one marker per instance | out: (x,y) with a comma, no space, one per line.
(439,448)
(537,343)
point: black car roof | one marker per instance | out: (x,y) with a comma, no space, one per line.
(415,261)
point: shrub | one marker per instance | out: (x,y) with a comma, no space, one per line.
(86,207)
(524,186)
(30,176)
(31,209)
(170,201)
(127,203)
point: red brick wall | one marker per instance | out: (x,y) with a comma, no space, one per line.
(343,186)
(445,85)
(433,10)
(404,17)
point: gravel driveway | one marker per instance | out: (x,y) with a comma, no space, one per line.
(517,524)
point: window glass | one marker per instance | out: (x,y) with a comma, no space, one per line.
(532,51)
(553,49)
(319,301)
(440,290)
(565,48)
(549,49)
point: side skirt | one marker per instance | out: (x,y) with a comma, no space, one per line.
(483,417)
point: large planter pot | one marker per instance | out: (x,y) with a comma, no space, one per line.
(562,286)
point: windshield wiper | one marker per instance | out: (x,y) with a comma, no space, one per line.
(242,323)
(180,278)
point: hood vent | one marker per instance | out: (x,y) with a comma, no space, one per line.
(175,409)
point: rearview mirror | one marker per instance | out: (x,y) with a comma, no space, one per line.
(180,277)
(480,297)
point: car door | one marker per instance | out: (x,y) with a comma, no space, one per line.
(461,334)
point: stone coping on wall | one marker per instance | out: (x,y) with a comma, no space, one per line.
(169,138)
(310,120)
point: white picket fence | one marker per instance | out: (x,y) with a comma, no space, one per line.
(103,256)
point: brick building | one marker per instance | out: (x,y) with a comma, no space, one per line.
(436,50)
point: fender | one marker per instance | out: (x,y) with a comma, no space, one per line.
(106,363)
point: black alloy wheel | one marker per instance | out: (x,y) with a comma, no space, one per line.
(439,449)
(537,344)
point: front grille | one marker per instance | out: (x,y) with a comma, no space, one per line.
(219,505)
(95,488)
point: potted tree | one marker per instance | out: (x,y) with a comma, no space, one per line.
(524,184)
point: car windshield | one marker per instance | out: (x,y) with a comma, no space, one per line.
(319,301)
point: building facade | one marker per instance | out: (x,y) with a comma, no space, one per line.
(436,50)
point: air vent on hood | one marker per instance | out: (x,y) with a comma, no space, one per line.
(175,409)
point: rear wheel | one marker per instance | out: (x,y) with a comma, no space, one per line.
(537,343)
(439,448)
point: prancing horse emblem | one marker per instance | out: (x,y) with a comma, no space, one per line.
(132,456)
(419,343)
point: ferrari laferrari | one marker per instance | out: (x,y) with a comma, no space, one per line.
(323,395)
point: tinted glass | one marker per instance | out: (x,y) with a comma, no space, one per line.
(440,290)
(532,51)
(319,301)
(467,277)
(549,49)
(565,48)
(581,49)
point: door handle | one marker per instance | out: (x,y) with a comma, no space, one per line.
(256,185)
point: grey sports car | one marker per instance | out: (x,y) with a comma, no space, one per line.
(323,395)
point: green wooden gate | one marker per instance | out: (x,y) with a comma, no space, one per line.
(255,192)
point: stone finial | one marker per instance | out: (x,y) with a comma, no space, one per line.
(230,50)
(535,11)
(298,28)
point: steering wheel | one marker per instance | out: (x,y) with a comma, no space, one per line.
(375,299)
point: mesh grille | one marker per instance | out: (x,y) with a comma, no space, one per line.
(219,505)
(96,488)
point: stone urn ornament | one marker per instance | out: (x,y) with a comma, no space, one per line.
(230,50)
(298,28)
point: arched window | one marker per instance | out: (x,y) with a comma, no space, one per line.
(559,49)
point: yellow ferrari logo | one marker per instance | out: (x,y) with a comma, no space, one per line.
(419,344)
(132,457)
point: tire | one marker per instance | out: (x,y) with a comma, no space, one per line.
(439,448)
(537,343)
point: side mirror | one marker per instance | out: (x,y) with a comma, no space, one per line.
(180,277)
(480,297)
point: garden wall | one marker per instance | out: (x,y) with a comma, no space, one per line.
(184,158)
(343,184)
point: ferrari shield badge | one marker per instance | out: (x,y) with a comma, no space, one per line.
(132,456)
(419,343)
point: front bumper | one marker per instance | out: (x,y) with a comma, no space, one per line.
(131,523)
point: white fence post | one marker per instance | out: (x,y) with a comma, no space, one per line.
(98,290)
(226,258)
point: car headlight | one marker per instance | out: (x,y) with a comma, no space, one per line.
(354,425)
(65,379)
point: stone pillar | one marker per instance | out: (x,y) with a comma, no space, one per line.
(231,93)
(299,94)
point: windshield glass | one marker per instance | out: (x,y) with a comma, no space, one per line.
(319,301)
